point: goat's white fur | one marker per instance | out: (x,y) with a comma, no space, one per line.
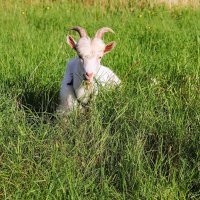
(73,88)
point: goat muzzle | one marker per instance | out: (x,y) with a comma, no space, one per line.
(89,76)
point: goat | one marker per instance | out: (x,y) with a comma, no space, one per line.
(85,73)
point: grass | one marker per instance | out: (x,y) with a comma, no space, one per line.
(139,142)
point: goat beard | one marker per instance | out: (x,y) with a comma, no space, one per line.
(88,84)
(86,91)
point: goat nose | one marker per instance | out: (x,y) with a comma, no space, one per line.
(89,75)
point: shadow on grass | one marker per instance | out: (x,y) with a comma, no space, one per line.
(34,96)
(40,102)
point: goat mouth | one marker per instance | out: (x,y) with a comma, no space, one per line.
(88,79)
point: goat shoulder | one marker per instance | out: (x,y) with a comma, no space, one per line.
(106,77)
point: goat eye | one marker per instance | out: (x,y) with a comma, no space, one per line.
(100,57)
(81,58)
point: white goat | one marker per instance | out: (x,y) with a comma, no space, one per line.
(85,73)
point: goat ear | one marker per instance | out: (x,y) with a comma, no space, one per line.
(71,42)
(109,47)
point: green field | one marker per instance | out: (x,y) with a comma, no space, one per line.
(141,141)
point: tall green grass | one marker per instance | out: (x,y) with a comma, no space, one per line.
(140,141)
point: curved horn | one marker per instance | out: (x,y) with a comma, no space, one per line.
(82,32)
(103,30)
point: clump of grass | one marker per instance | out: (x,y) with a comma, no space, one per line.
(138,142)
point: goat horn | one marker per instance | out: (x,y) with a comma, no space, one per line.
(82,32)
(103,30)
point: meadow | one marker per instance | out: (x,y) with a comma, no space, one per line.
(140,141)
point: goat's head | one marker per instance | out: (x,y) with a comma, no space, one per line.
(90,51)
